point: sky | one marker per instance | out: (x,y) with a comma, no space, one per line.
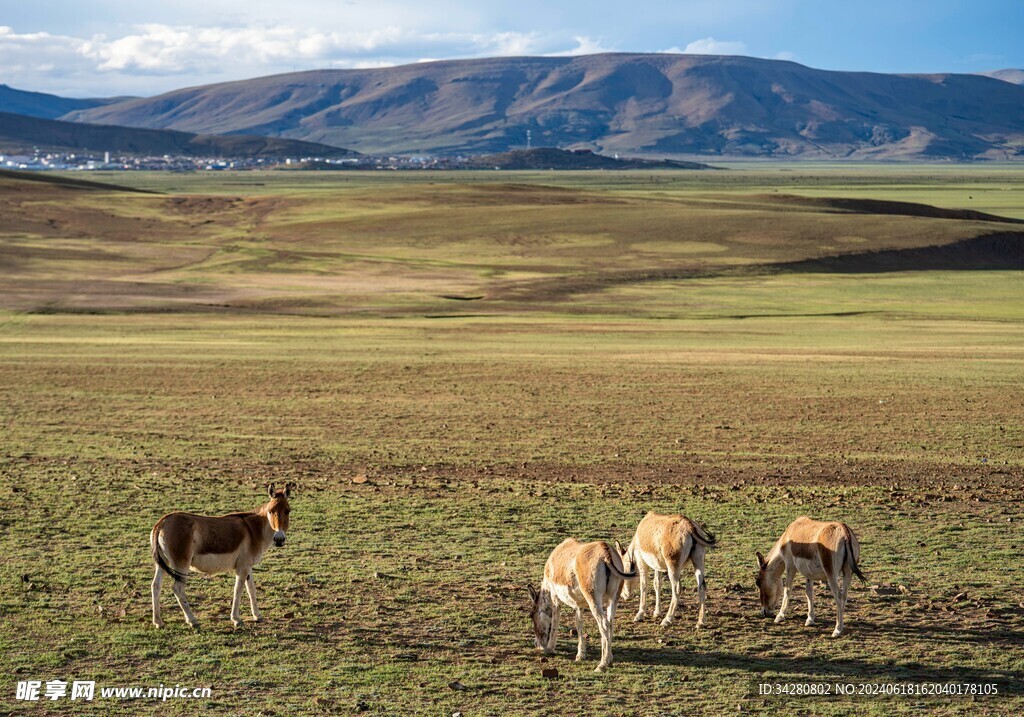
(105,48)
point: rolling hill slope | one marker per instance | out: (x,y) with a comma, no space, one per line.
(19,133)
(657,104)
(40,104)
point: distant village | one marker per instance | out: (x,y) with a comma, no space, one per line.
(104,161)
(88,161)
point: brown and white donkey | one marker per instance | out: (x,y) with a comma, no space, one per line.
(578,574)
(819,551)
(665,543)
(228,543)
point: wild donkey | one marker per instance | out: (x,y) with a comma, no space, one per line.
(664,543)
(578,573)
(820,551)
(234,542)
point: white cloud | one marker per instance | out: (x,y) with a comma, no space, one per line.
(711,46)
(584,46)
(787,56)
(157,57)
(152,58)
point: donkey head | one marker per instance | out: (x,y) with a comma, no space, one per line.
(769,587)
(543,615)
(277,512)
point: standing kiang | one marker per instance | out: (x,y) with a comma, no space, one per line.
(818,551)
(206,544)
(579,574)
(666,543)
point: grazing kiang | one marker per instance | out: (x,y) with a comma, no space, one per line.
(228,543)
(665,543)
(577,575)
(818,551)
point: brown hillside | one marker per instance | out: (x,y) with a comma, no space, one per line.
(657,104)
(20,133)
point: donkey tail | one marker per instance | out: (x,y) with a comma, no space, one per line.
(160,560)
(850,558)
(613,568)
(702,535)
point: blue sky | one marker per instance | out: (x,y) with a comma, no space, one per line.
(87,48)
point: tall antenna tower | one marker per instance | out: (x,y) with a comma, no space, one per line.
(529,139)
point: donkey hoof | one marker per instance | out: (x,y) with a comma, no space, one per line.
(701,624)
(194,626)
(601,667)
(638,618)
(158,625)
(258,618)
(236,623)
(666,622)
(580,657)
(837,632)
(808,622)
(779,618)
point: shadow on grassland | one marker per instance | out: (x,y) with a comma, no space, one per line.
(901,669)
(844,205)
(1004,250)
(817,668)
(996,251)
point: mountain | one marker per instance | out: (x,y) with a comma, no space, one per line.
(19,133)
(655,104)
(1008,75)
(40,104)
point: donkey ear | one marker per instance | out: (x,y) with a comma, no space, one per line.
(618,547)
(533,592)
(760,560)
(287,490)
(270,490)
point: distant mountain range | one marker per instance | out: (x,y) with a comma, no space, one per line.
(637,104)
(651,104)
(23,134)
(40,104)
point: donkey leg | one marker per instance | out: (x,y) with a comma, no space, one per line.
(697,558)
(847,579)
(673,582)
(603,627)
(250,587)
(837,593)
(581,646)
(158,581)
(236,600)
(641,569)
(556,615)
(787,588)
(179,593)
(657,593)
(809,589)
(609,611)
(843,592)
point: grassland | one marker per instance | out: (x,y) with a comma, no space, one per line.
(508,360)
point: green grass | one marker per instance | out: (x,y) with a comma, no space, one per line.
(489,430)
(453,559)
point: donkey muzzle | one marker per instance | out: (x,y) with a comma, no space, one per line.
(279,538)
